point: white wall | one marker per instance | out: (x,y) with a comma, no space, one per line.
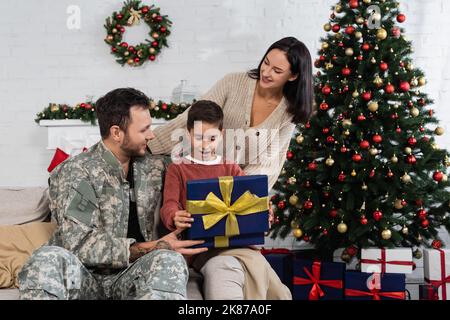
(42,61)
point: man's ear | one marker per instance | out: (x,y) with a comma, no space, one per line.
(116,133)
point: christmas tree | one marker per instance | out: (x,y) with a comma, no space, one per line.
(365,170)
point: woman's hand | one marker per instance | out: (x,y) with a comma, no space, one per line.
(182,219)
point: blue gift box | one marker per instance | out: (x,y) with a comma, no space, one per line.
(255,223)
(240,241)
(281,263)
(374,286)
(330,277)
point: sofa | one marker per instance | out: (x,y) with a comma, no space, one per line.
(23,206)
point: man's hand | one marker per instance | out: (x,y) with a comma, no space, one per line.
(182,246)
(182,219)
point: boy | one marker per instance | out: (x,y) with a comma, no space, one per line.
(222,269)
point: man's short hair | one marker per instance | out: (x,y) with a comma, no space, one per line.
(113,109)
(205,111)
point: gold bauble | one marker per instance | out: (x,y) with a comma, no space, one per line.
(359,20)
(398,204)
(114,30)
(292,180)
(155,35)
(439,131)
(297,233)
(293,199)
(355,94)
(152,50)
(394,159)
(422,81)
(406,178)
(366,1)
(349,52)
(373,106)
(329,162)
(130,61)
(373,60)
(386,234)
(325,45)
(346,132)
(435,146)
(358,35)
(346,123)
(364,187)
(327,27)
(338,36)
(409,66)
(300,139)
(414,112)
(353,173)
(405,230)
(342,227)
(414,82)
(444,178)
(54,108)
(373,151)
(126,53)
(408,150)
(338,8)
(109,38)
(140,53)
(381,34)
(328,65)
(377,81)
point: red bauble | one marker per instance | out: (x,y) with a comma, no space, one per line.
(404,203)
(425,139)
(131,48)
(289,155)
(124,44)
(317,65)
(377,215)
(412,141)
(273,198)
(281,205)
(136,60)
(326,90)
(343,149)
(401,18)
(360,58)
(367,95)
(364,144)
(390,174)
(335,27)
(353,4)
(383,66)
(349,30)
(437,176)
(122,29)
(322,58)
(389,88)
(372,173)
(324,106)
(164,106)
(394,116)
(421,101)
(396,32)
(404,86)
(361,117)
(119,16)
(325,232)
(333,213)
(363,220)
(330,139)
(352,251)
(340,44)
(437,244)
(356,157)
(398,130)
(425,223)
(365,47)
(346,72)
(411,159)
(430,112)
(308,205)
(422,214)
(326,194)
(159,18)
(305,238)
(113,49)
(325,130)
(421,129)
(377,138)
(163,29)
(144,10)
(341,177)
(151,57)
(155,43)
(308,125)
(312,166)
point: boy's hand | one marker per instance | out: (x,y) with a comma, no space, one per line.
(271,215)
(182,219)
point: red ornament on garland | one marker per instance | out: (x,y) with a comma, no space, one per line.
(144,9)
(437,176)
(396,32)
(163,29)
(152,58)
(377,215)
(155,43)
(401,18)
(119,16)
(124,45)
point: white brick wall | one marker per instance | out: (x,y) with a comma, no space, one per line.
(42,61)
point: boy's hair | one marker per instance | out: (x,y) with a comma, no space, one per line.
(113,109)
(205,111)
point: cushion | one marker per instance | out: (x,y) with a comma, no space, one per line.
(23,205)
(17,243)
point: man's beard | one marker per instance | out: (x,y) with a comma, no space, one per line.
(129,149)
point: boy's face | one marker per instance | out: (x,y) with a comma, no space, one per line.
(204,140)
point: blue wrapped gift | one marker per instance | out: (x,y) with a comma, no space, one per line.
(240,241)
(229,206)
(281,262)
(374,286)
(316,280)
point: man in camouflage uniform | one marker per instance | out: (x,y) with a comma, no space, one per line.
(104,203)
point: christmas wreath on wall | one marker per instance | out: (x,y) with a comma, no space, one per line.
(86,111)
(131,14)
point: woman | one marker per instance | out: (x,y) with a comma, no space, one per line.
(266,103)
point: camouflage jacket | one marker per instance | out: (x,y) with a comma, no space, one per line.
(89,199)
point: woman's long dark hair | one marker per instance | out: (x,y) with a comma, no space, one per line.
(298,93)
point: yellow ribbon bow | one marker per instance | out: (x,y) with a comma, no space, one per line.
(135,17)
(215,209)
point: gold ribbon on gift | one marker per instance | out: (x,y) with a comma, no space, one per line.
(135,17)
(216,209)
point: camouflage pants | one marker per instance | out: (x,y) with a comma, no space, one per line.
(55,273)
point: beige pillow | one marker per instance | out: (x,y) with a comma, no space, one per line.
(17,243)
